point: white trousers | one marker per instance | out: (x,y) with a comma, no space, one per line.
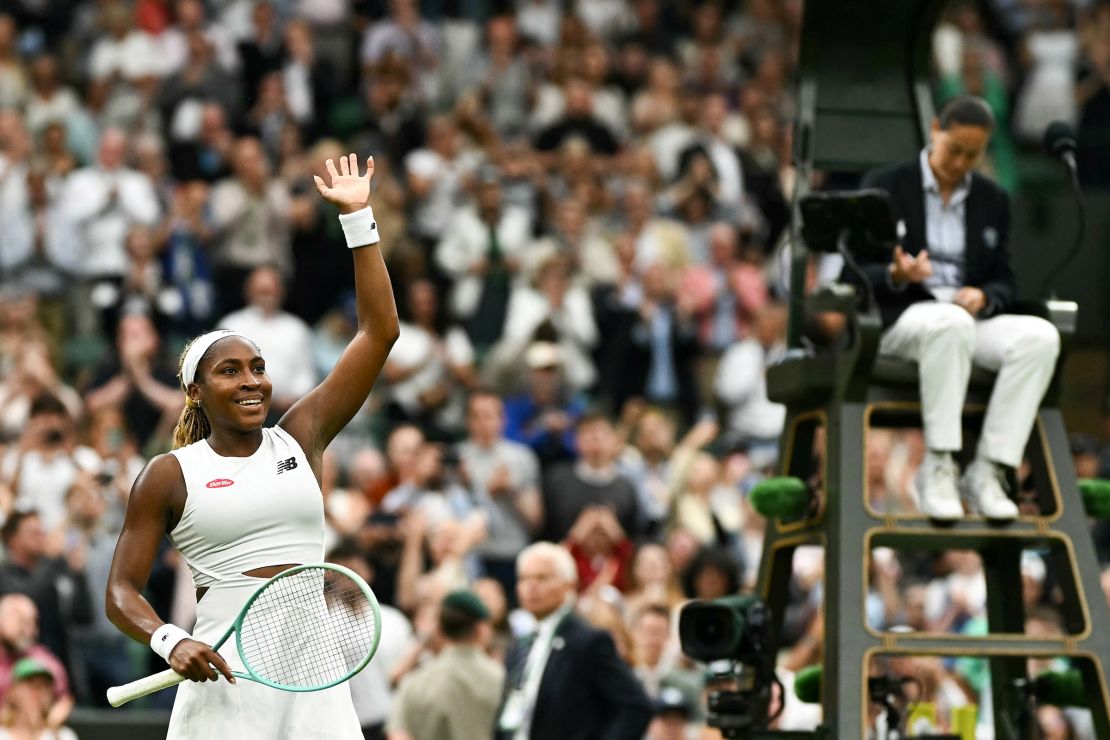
(944,340)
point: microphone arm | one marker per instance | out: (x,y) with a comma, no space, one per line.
(1081,218)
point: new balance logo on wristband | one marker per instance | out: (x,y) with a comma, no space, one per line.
(284,465)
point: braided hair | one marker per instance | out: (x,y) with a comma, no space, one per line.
(192,425)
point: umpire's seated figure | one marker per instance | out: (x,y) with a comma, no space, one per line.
(944,299)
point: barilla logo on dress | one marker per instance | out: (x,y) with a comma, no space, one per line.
(219,483)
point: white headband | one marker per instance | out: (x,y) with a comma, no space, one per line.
(199,346)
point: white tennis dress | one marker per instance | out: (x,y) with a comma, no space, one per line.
(244,513)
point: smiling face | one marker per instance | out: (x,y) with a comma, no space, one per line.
(232,385)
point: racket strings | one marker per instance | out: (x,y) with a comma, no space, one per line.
(309,629)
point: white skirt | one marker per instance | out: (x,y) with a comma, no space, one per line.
(249,710)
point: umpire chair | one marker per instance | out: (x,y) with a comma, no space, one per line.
(864,100)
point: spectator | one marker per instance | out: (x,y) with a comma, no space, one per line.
(139,381)
(703,505)
(13,77)
(481,252)
(601,550)
(46,461)
(650,461)
(603,697)
(407,37)
(33,377)
(103,651)
(250,217)
(578,120)
(285,338)
(261,52)
(673,715)
(309,79)
(554,308)
(455,694)
(1050,50)
(591,254)
(434,492)
(652,580)
(506,475)
(188,298)
(321,282)
(722,155)
(568,489)
(205,155)
(49,100)
(431,366)
(388,119)
(191,19)
(543,417)
(19,324)
(19,641)
(712,573)
(502,77)
(104,201)
(436,176)
(29,705)
(662,347)
(106,433)
(202,80)
(653,648)
(123,53)
(728,290)
(753,421)
(401,448)
(372,690)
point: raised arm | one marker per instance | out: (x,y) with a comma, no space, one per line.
(150,512)
(315,419)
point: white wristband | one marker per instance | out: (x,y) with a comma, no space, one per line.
(360,228)
(165,639)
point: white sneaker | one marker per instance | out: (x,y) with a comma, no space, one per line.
(982,488)
(936,488)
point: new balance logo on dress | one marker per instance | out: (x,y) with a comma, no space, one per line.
(284,465)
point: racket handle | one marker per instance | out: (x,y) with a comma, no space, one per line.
(118,695)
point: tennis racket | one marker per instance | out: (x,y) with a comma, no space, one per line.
(306,629)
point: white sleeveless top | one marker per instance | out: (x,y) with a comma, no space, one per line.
(244,513)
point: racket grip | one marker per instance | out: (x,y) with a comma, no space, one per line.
(119,695)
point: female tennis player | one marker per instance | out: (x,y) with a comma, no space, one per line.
(242,503)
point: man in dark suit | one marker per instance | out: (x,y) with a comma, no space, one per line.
(565,681)
(944,299)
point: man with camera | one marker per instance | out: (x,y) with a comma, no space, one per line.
(46,461)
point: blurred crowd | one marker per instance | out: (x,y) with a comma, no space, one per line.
(581,205)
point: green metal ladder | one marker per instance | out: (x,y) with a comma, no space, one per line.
(851,392)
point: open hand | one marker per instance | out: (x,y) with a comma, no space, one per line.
(349,191)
